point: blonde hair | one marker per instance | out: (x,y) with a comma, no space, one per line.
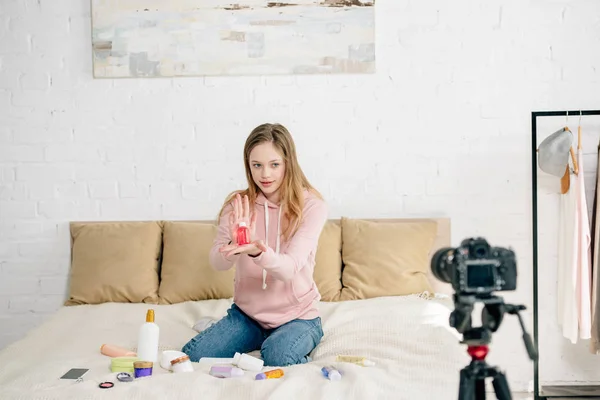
(294,181)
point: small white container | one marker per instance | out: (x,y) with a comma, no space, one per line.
(182,364)
(215,360)
(169,355)
(247,362)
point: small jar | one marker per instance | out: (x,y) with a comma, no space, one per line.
(142,368)
(182,364)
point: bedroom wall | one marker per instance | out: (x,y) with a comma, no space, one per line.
(442,129)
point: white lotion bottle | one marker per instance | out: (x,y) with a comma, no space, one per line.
(147,349)
(247,362)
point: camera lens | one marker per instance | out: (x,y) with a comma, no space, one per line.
(438,264)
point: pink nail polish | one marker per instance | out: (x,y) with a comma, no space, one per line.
(243,234)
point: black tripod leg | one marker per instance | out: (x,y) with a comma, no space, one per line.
(480,389)
(501,387)
(466,389)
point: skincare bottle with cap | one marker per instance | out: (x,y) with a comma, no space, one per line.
(243,234)
(247,362)
(148,339)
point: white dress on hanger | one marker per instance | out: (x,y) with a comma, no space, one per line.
(566,305)
(584,259)
(574,261)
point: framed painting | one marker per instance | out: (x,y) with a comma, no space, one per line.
(158,38)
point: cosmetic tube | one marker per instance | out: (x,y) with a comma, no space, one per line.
(331,373)
(273,374)
(356,360)
(226,371)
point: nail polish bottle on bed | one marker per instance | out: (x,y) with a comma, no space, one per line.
(243,234)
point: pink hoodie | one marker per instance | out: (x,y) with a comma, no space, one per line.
(277,286)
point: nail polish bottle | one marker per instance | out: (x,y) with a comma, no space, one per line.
(243,234)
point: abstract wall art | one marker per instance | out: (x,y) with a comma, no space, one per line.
(171,38)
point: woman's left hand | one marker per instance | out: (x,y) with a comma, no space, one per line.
(253,249)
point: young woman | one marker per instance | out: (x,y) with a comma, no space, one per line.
(275,304)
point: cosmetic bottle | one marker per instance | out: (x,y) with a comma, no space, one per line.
(356,360)
(225,371)
(112,350)
(331,373)
(215,360)
(247,362)
(243,234)
(148,339)
(272,374)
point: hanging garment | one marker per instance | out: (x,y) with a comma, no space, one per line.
(566,305)
(574,261)
(584,265)
(595,342)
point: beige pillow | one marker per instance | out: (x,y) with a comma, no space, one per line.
(186,274)
(385,258)
(328,262)
(114,262)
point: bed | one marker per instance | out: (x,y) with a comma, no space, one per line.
(417,355)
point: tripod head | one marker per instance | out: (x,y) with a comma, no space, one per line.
(491,319)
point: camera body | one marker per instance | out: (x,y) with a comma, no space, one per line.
(475,267)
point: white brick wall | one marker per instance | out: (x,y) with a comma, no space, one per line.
(443,128)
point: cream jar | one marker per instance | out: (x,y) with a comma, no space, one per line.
(182,364)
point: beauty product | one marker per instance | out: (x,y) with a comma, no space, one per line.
(122,364)
(243,234)
(225,371)
(106,385)
(169,355)
(148,339)
(356,360)
(124,377)
(142,368)
(247,362)
(331,373)
(215,360)
(272,374)
(112,350)
(182,364)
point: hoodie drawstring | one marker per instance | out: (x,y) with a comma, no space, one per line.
(264,285)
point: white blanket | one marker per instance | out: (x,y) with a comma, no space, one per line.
(417,355)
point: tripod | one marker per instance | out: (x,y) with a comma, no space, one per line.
(473,376)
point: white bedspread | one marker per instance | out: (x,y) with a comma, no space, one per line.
(418,356)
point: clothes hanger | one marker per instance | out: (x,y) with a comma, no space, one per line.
(565,181)
(572,151)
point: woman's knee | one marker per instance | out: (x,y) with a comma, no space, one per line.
(233,333)
(194,348)
(274,358)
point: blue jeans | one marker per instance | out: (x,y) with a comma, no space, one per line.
(288,344)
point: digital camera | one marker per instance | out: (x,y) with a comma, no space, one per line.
(475,267)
